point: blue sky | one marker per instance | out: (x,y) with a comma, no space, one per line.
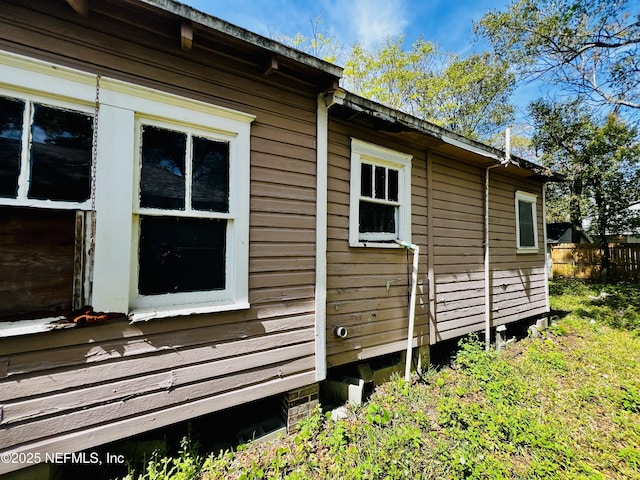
(446,22)
(449,23)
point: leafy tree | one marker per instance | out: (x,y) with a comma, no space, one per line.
(613,179)
(562,133)
(320,43)
(469,95)
(601,160)
(390,74)
(586,47)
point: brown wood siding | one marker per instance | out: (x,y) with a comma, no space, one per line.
(357,295)
(72,389)
(517,280)
(458,225)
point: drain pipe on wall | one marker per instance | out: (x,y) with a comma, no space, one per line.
(412,305)
(487,265)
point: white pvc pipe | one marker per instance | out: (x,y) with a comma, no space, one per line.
(487,265)
(487,259)
(412,305)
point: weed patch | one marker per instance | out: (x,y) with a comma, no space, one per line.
(566,405)
(615,305)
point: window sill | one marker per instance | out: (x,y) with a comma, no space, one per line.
(525,251)
(146,314)
(374,244)
(38,325)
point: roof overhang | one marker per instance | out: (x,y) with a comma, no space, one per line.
(350,106)
(203,19)
(193,27)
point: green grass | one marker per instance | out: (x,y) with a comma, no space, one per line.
(620,307)
(564,406)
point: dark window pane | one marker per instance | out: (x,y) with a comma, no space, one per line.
(181,255)
(210,184)
(162,183)
(525,220)
(366,180)
(393,185)
(60,154)
(377,218)
(381,181)
(11,115)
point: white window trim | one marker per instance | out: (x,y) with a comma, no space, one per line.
(235,295)
(121,104)
(531,199)
(22,200)
(377,155)
(210,298)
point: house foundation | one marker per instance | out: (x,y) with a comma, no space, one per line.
(299,404)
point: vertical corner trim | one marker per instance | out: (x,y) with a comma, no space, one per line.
(322,139)
(431,278)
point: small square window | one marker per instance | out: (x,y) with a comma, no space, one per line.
(60,154)
(380,195)
(379,200)
(526,217)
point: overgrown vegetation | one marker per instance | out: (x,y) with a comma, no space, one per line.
(617,306)
(566,405)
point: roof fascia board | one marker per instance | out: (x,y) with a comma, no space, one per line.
(196,16)
(360,104)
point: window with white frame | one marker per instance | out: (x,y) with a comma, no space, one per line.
(526,217)
(380,206)
(45,153)
(170,239)
(46,160)
(184,227)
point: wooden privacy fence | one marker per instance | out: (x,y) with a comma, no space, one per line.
(583,260)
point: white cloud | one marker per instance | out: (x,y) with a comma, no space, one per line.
(377,20)
(348,21)
(370,21)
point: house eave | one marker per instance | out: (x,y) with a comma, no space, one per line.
(407,122)
(198,17)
